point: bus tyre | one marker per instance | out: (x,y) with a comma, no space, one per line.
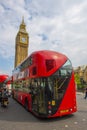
(26,105)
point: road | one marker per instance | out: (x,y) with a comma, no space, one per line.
(15,117)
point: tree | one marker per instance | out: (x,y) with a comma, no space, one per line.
(78,82)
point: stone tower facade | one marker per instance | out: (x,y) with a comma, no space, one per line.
(21,44)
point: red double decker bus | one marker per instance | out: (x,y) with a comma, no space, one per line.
(44,84)
(3,77)
(7,83)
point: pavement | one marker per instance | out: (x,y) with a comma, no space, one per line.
(15,117)
(80,93)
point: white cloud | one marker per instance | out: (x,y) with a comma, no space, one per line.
(51,24)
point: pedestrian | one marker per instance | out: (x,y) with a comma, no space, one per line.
(85,93)
(0,95)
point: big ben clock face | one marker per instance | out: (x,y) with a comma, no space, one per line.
(23,39)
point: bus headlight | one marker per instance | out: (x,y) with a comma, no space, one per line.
(49,111)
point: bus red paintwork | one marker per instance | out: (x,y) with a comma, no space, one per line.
(44,84)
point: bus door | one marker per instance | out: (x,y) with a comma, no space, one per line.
(41,99)
(38,97)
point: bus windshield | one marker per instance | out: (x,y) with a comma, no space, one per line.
(58,82)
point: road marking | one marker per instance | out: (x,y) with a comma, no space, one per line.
(76,123)
(83,119)
(66,125)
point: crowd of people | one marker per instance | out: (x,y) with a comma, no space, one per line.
(3,93)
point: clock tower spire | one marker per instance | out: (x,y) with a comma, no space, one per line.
(21,44)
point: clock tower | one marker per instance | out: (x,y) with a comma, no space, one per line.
(21,44)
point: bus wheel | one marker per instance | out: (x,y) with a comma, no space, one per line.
(26,105)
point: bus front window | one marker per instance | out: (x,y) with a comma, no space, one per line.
(59,80)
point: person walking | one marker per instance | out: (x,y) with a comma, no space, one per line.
(85,93)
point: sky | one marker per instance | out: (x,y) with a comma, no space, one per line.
(59,25)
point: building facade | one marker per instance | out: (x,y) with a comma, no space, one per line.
(21,44)
(82,72)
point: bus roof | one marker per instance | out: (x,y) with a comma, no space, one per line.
(45,62)
(48,54)
(3,77)
(45,53)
